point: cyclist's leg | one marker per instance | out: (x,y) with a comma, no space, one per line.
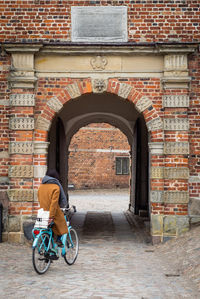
(71,246)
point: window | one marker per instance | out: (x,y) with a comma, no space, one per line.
(122,165)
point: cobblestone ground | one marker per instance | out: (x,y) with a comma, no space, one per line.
(115,261)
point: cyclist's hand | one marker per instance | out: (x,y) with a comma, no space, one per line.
(50,221)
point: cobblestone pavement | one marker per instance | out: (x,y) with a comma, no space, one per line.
(115,261)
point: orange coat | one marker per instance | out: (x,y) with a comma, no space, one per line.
(48,196)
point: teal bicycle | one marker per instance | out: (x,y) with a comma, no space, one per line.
(45,249)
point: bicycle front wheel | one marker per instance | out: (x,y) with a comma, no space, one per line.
(40,262)
(71,247)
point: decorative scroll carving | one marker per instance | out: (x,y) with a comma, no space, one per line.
(176,100)
(99,85)
(176,148)
(22,100)
(42,124)
(21,171)
(25,148)
(143,104)
(124,90)
(98,63)
(157,196)
(55,104)
(157,172)
(155,124)
(176,124)
(21,123)
(20,195)
(176,197)
(176,173)
(73,90)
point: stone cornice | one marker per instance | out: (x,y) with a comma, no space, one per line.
(80,48)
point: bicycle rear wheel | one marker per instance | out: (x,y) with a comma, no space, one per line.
(71,247)
(40,262)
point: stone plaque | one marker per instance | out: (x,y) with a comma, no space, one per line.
(21,123)
(175,62)
(181,100)
(176,148)
(176,173)
(20,195)
(42,124)
(176,124)
(73,90)
(21,171)
(176,197)
(55,104)
(99,24)
(124,90)
(22,100)
(25,148)
(143,104)
(155,124)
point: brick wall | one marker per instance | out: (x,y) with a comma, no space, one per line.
(148,21)
(93,150)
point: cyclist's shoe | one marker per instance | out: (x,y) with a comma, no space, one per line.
(51,254)
(59,243)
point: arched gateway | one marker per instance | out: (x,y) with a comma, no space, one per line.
(131,90)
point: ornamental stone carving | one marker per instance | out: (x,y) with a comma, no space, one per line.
(99,85)
(179,197)
(143,104)
(176,173)
(175,63)
(156,148)
(41,148)
(155,124)
(20,195)
(176,148)
(157,172)
(175,101)
(157,196)
(25,148)
(55,104)
(21,171)
(176,124)
(73,90)
(40,171)
(21,123)
(22,100)
(42,124)
(98,63)
(124,90)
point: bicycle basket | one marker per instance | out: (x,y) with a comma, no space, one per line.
(42,219)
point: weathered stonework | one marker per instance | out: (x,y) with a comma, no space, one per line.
(157,225)
(176,124)
(157,172)
(55,104)
(178,197)
(176,173)
(156,148)
(21,123)
(42,124)
(41,148)
(40,171)
(25,148)
(14,223)
(155,124)
(175,64)
(157,196)
(175,101)
(21,171)
(143,104)
(73,90)
(176,148)
(22,100)
(20,195)
(124,90)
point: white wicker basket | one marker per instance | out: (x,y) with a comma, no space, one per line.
(42,219)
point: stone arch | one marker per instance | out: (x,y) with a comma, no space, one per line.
(143,104)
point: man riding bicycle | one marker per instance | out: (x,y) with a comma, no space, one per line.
(51,197)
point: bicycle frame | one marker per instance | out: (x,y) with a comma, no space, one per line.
(49,231)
